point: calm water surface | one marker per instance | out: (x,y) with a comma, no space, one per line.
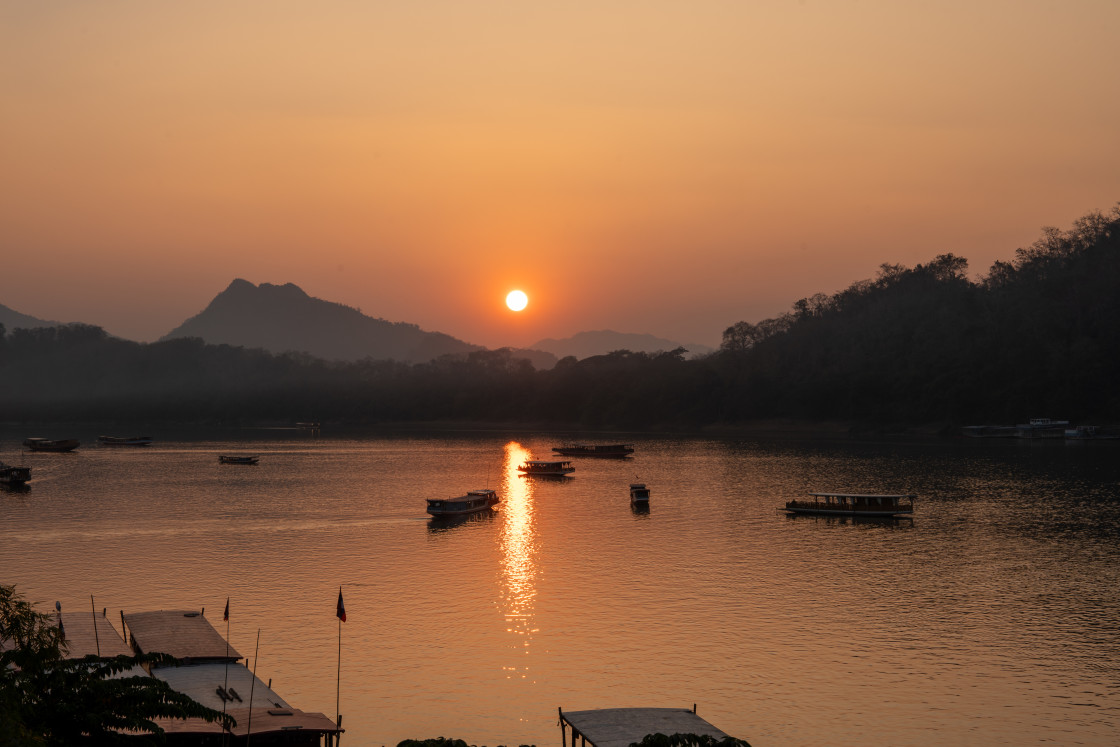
(992,618)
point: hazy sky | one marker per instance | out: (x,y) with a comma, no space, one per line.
(661,167)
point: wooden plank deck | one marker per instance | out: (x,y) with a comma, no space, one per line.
(621,727)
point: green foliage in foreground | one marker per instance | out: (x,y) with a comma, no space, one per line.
(688,740)
(48,699)
(442,742)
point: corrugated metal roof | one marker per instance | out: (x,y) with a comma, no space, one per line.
(184,634)
(201,682)
(263,722)
(621,727)
(81,640)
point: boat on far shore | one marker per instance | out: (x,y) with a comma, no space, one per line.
(545,468)
(12,475)
(237,459)
(474,501)
(854,504)
(616,451)
(124,440)
(46,444)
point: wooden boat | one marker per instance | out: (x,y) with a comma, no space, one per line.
(46,444)
(854,504)
(639,494)
(1042,428)
(595,450)
(124,440)
(11,475)
(542,468)
(234,459)
(473,502)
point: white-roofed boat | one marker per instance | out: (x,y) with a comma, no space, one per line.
(473,502)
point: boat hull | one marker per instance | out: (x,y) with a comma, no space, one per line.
(238,459)
(839,512)
(609,451)
(124,441)
(14,475)
(42,444)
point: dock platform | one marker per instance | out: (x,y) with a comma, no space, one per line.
(621,727)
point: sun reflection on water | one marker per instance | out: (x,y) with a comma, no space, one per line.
(518,551)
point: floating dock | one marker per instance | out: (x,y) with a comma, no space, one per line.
(621,727)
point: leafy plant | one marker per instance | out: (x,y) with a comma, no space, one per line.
(47,698)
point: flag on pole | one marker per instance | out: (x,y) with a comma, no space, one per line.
(341,609)
(225,616)
(62,630)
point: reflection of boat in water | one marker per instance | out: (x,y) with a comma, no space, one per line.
(12,475)
(639,494)
(235,459)
(46,444)
(595,450)
(854,504)
(544,468)
(124,440)
(473,502)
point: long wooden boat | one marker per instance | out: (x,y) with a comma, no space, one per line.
(124,440)
(46,444)
(544,468)
(595,450)
(854,504)
(12,475)
(473,502)
(235,459)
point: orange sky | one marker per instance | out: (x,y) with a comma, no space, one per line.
(660,167)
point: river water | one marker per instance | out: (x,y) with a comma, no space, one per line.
(991,618)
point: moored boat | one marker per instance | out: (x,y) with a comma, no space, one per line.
(46,444)
(12,475)
(473,502)
(236,459)
(124,440)
(595,450)
(544,468)
(639,494)
(854,504)
(1042,428)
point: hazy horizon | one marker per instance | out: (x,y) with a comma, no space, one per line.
(648,168)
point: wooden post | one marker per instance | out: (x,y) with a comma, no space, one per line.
(93,616)
(563,734)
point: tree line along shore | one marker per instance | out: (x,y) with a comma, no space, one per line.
(1038,335)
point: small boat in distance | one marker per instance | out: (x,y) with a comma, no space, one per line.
(854,504)
(473,502)
(235,459)
(11,475)
(595,450)
(543,468)
(639,494)
(124,440)
(46,444)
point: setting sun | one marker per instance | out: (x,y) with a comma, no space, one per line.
(517,300)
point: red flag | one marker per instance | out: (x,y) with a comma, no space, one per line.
(341,609)
(226,615)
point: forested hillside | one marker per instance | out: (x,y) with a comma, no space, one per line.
(1037,336)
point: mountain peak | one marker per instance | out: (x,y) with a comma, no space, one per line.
(283,318)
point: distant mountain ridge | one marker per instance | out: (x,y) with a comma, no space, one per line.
(12,319)
(283,318)
(586,344)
